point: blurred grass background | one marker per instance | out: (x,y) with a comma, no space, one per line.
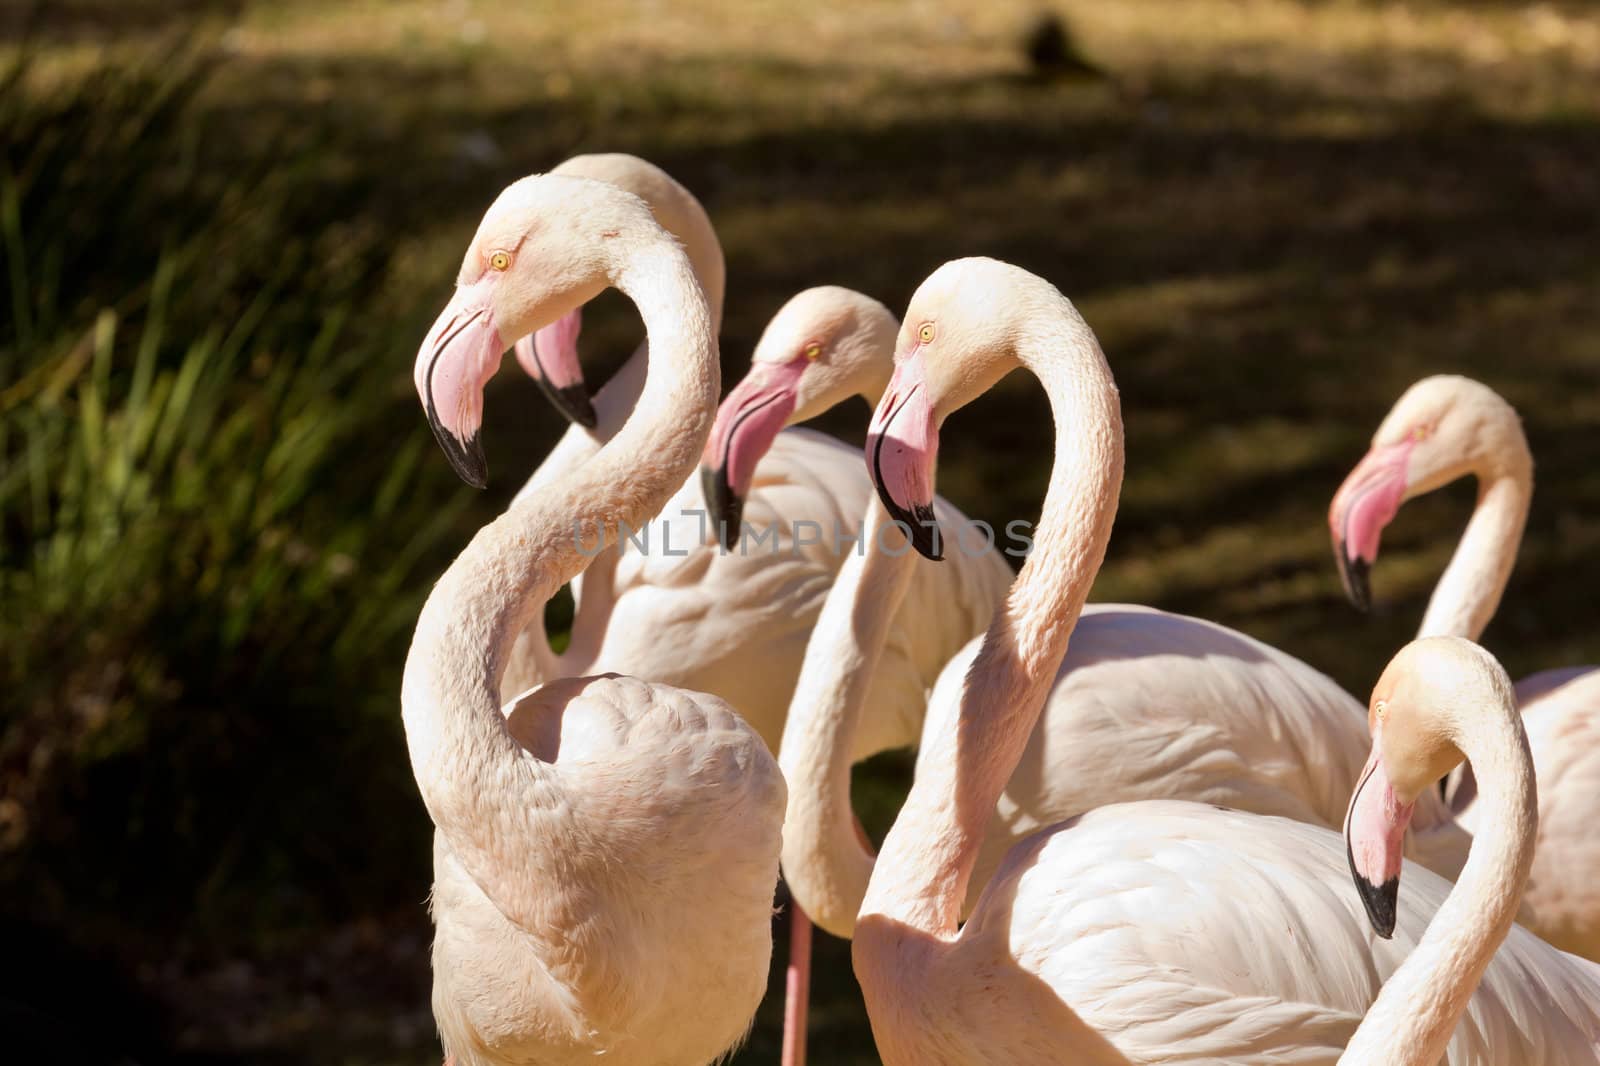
(226,226)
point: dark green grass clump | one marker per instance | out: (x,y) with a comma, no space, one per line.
(207,570)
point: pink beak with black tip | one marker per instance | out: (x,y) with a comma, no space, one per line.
(1374,835)
(747,423)
(1366,502)
(461,353)
(550,357)
(902,447)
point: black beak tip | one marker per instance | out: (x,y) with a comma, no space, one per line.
(573,402)
(466,457)
(925,533)
(1380,902)
(1356,575)
(725,505)
(922,529)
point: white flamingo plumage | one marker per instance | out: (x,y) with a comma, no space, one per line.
(1445,428)
(1154,931)
(607,851)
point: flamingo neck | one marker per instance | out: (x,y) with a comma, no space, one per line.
(533,661)
(1469,591)
(481,788)
(1412,1020)
(928,856)
(825,862)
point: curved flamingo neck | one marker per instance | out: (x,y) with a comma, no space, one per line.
(1412,1019)
(825,862)
(490,799)
(1469,591)
(927,859)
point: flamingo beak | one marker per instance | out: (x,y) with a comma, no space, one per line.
(747,423)
(902,447)
(460,354)
(550,358)
(1374,834)
(1366,502)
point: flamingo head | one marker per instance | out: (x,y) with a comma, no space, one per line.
(822,347)
(1442,428)
(1414,717)
(550,356)
(547,244)
(958,338)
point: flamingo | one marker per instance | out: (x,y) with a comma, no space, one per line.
(606,849)
(1443,700)
(1155,931)
(1443,428)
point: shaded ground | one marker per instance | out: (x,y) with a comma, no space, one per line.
(1276,216)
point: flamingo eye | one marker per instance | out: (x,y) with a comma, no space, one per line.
(1382,708)
(500,260)
(925,334)
(1420,433)
(813,351)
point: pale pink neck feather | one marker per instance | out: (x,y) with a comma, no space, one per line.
(922,874)
(1468,593)
(535,662)
(824,860)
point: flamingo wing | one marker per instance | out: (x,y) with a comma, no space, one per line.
(1186,933)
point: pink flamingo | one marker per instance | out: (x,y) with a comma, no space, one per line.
(606,848)
(1140,932)
(735,624)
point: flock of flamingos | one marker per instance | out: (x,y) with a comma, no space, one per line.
(1133,836)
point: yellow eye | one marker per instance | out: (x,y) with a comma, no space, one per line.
(813,351)
(500,260)
(1420,433)
(925,334)
(1382,708)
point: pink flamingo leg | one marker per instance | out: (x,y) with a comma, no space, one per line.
(797,992)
